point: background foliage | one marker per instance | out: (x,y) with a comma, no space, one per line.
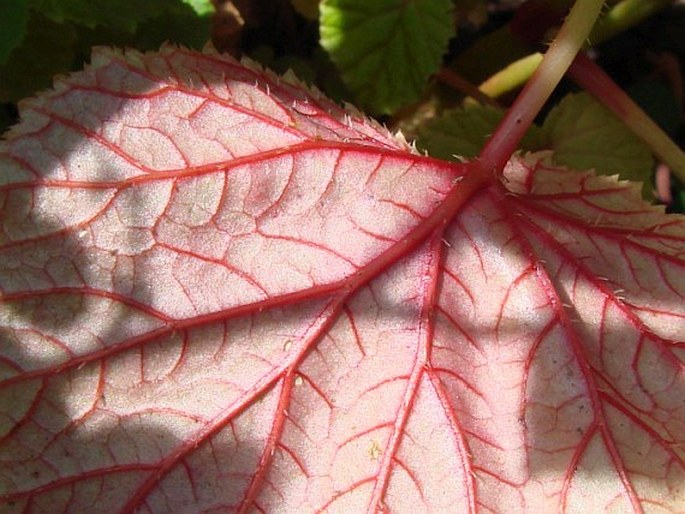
(399,60)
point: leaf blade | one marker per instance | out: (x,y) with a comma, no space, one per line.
(372,43)
(583,134)
(15,16)
(482,340)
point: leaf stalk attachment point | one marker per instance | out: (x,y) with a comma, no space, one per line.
(571,38)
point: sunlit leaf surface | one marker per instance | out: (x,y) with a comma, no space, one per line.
(222,293)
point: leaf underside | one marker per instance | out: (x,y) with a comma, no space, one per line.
(220,291)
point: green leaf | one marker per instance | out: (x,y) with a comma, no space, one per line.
(47,50)
(462,132)
(14,15)
(201,7)
(584,134)
(113,14)
(52,48)
(386,49)
(180,25)
(581,133)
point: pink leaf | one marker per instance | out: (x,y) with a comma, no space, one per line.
(223,293)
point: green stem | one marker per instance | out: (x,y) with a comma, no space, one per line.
(593,79)
(621,17)
(556,61)
(512,77)
(624,15)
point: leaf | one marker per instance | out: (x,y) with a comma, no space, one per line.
(387,49)
(201,7)
(23,72)
(462,132)
(582,133)
(180,24)
(585,134)
(14,15)
(114,14)
(222,292)
(52,48)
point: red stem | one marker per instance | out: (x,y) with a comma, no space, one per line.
(595,81)
(592,78)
